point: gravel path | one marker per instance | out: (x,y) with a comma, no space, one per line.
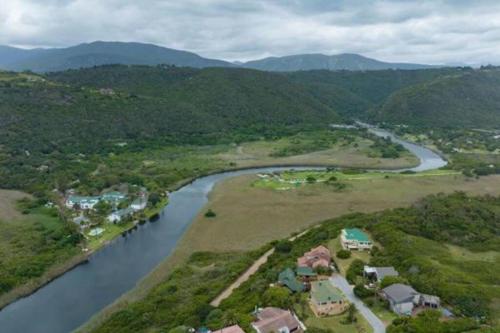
(245,276)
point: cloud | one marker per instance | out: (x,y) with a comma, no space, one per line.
(429,31)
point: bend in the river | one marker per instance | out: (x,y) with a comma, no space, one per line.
(70,300)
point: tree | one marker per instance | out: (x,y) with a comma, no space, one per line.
(277,297)
(362,292)
(284,246)
(389,280)
(154,198)
(344,254)
(210,213)
(355,270)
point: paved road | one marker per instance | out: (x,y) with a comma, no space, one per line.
(341,283)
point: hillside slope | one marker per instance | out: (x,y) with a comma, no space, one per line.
(353,93)
(469,99)
(100,53)
(153,104)
(346,61)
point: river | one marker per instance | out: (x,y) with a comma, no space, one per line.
(68,301)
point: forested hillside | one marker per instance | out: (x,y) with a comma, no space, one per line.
(469,99)
(68,111)
(353,93)
(44,120)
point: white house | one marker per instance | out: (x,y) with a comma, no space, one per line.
(355,239)
(84,202)
(140,203)
(120,214)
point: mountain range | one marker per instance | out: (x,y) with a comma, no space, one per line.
(102,53)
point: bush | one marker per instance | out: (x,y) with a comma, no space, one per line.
(210,213)
(284,246)
(355,270)
(362,292)
(389,280)
(344,254)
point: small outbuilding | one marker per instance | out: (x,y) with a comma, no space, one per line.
(379,273)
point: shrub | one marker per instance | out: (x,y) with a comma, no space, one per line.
(355,270)
(284,246)
(362,292)
(210,213)
(344,254)
(388,280)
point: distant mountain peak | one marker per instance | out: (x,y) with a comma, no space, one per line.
(313,61)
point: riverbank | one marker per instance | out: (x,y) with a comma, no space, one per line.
(60,269)
(35,284)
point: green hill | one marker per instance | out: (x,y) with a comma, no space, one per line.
(91,109)
(468,99)
(353,93)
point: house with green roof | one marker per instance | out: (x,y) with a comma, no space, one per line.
(288,279)
(306,273)
(326,300)
(355,239)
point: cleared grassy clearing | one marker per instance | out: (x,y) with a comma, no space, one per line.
(355,154)
(8,205)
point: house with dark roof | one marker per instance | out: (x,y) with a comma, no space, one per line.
(402,298)
(355,239)
(288,279)
(326,300)
(379,273)
(275,320)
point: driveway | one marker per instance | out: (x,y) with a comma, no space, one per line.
(340,282)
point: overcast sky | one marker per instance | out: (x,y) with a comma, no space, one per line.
(434,31)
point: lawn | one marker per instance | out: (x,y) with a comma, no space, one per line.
(343,264)
(110,232)
(352,153)
(333,323)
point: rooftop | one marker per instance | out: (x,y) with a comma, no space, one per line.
(399,292)
(305,271)
(356,234)
(230,329)
(324,291)
(287,278)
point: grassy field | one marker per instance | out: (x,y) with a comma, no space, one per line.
(8,205)
(35,246)
(349,154)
